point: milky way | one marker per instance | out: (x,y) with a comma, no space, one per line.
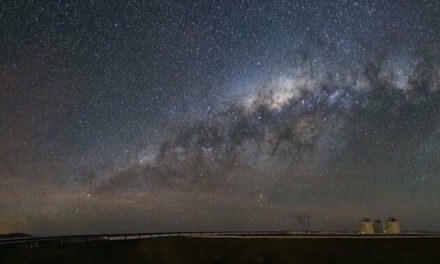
(164,116)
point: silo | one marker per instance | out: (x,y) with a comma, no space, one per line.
(392,226)
(378,226)
(366,227)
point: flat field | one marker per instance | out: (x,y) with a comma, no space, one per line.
(232,250)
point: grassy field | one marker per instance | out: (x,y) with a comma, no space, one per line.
(232,250)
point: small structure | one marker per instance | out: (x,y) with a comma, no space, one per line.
(392,226)
(366,227)
(378,226)
(302,220)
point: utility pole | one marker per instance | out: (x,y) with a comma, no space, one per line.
(303,219)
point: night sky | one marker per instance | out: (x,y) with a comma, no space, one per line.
(148,116)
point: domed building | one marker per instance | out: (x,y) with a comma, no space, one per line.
(366,227)
(392,226)
(378,227)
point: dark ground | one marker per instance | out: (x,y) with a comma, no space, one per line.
(232,250)
(13,235)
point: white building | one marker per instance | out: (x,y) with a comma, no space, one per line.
(366,227)
(392,226)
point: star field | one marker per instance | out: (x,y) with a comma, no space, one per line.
(218,115)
